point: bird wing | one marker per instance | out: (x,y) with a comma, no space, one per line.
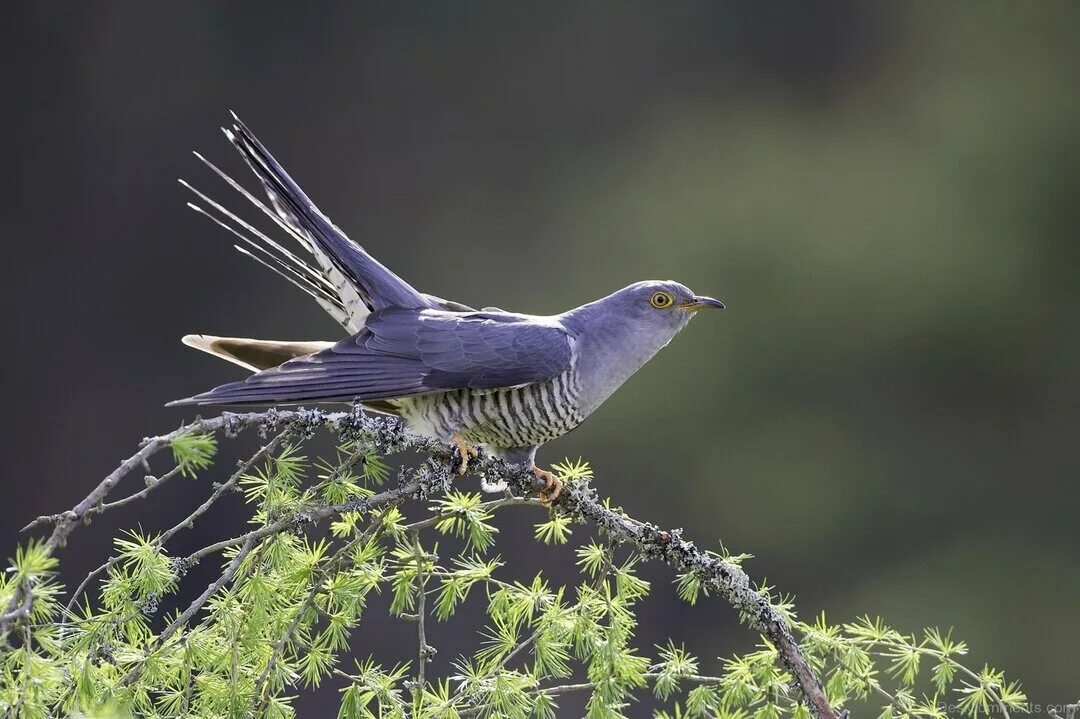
(401,353)
(346,281)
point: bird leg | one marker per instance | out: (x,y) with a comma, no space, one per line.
(554,486)
(465,450)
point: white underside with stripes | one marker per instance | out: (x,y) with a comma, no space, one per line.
(508,418)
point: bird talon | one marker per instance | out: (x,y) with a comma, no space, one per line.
(466,451)
(553,489)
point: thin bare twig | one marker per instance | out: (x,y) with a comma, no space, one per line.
(141,494)
(424,652)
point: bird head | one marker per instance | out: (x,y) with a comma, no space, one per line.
(618,334)
(659,304)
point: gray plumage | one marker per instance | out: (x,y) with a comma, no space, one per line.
(508,381)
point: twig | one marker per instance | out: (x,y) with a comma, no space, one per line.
(65,523)
(424,651)
(141,494)
(522,645)
(374,529)
(20,611)
(168,534)
(193,608)
(586,686)
(485,506)
(312,516)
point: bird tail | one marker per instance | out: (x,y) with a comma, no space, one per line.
(259,355)
(319,279)
(255,355)
(377,285)
(345,281)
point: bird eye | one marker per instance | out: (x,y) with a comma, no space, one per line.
(662,300)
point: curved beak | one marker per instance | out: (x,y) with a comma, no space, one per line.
(700,303)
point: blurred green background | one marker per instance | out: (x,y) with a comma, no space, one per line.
(885,195)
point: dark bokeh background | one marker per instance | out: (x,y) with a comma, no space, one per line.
(884,193)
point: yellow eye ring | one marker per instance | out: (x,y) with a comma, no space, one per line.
(661,300)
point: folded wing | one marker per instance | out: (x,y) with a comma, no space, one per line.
(402,353)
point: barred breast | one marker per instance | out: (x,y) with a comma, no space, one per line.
(522,416)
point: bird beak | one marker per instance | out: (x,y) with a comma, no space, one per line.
(700,303)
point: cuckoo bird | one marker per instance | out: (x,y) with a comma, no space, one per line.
(504,380)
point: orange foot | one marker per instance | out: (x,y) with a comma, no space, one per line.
(465,450)
(554,486)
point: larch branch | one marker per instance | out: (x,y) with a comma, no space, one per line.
(389,435)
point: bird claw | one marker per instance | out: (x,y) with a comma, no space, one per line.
(553,489)
(466,451)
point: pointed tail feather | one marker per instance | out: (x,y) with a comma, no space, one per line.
(346,295)
(327,277)
(283,263)
(378,286)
